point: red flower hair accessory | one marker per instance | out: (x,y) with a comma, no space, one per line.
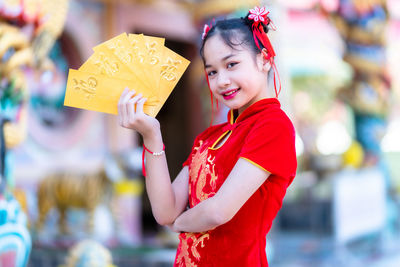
(206,29)
(259,15)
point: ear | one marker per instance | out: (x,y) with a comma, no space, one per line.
(264,63)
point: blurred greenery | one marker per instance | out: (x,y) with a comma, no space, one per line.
(321,90)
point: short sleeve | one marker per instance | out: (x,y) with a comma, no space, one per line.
(270,145)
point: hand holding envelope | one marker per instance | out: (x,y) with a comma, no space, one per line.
(135,61)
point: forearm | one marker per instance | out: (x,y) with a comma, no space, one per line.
(158,182)
(162,194)
(202,217)
(223,206)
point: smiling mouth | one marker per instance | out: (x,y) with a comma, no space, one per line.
(230,94)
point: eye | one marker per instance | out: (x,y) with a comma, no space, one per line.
(231,64)
(211,73)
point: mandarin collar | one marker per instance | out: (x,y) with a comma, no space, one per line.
(256,107)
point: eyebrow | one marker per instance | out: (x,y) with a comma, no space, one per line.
(223,59)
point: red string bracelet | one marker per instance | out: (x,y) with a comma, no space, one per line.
(151,152)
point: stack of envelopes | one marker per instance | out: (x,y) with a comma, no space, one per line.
(136,61)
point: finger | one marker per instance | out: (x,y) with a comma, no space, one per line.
(126,90)
(123,114)
(124,106)
(140,104)
(128,96)
(131,105)
(131,110)
(135,99)
(120,106)
(124,99)
(119,114)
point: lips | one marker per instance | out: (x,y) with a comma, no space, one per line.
(229,94)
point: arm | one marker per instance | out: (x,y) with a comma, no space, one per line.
(244,179)
(167,200)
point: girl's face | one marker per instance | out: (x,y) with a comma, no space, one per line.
(237,77)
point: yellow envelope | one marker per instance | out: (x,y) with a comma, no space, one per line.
(150,50)
(148,39)
(101,93)
(136,61)
(137,43)
(172,68)
(105,63)
(154,54)
(121,47)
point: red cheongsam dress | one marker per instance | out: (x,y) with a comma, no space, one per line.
(264,136)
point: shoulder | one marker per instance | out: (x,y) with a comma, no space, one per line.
(273,121)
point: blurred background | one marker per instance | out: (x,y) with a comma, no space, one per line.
(72,192)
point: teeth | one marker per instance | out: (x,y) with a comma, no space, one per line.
(231,92)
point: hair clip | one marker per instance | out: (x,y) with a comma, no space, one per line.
(259,15)
(206,29)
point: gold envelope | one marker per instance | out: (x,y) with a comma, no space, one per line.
(172,68)
(121,47)
(150,50)
(135,61)
(101,93)
(105,63)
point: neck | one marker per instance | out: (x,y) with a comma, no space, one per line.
(266,93)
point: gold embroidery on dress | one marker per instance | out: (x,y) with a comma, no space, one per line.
(210,168)
(196,242)
(183,258)
(202,166)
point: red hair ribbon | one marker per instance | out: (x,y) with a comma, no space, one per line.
(212,99)
(261,15)
(206,29)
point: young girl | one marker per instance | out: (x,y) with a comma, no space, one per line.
(231,186)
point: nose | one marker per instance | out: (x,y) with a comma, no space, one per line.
(223,79)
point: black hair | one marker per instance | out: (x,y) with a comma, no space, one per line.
(235,32)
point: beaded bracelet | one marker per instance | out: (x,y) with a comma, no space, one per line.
(151,152)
